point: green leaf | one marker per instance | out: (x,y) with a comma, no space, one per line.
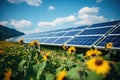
(59,69)
(73,73)
(39,68)
(80,55)
(94,76)
(49,77)
(22,64)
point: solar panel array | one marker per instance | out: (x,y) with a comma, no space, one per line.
(82,36)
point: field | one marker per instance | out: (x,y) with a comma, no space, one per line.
(32,61)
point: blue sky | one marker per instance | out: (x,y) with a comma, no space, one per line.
(31,16)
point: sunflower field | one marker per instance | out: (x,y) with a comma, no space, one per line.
(32,61)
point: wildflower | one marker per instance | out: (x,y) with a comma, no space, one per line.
(93,52)
(61,75)
(71,50)
(99,65)
(8,74)
(20,41)
(34,42)
(109,45)
(45,57)
(64,47)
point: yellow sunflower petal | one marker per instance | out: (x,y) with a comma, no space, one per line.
(61,75)
(99,65)
(93,52)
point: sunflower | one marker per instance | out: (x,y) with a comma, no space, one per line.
(45,57)
(8,74)
(61,75)
(93,52)
(2,52)
(71,50)
(109,45)
(34,42)
(99,65)
(20,41)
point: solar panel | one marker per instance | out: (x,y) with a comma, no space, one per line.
(95,31)
(82,36)
(84,40)
(115,39)
(59,34)
(68,29)
(42,40)
(71,33)
(49,35)
(105,24)
(80,27)
(61,40)
(50,40)
(116,31)
(58,30)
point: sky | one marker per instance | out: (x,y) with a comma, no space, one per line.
(32,16)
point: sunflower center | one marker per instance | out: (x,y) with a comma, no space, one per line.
(98,62)
(72,51)
(110,45)
(21,41)
(93,55)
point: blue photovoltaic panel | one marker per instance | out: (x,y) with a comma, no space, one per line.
(42,39)
(68,29)
(115,39)
(116,31)
(105,24)
(95,31)
(84,40)
(50,35)
(59,34)
(95,35)
(61,40)
(57,30)
(50,40)
(80,27)
(71,33)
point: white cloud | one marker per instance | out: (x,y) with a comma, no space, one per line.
(29,2)
(4,23)
(88,10)
(58,21)
(20,23)
(89,15)
(51,8)
(99,1)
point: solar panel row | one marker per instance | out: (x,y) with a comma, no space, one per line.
(90,35)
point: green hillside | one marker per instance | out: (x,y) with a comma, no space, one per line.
(6,32)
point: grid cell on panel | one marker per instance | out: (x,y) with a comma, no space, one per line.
(80,27)
(58,30)
(50,40)
(49,35)
(116,31)
(115,39)
(95,31)
(59,34)
(105,24)
(42,40)
(71,33)
(62,40)
(67,29)
(84,40)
